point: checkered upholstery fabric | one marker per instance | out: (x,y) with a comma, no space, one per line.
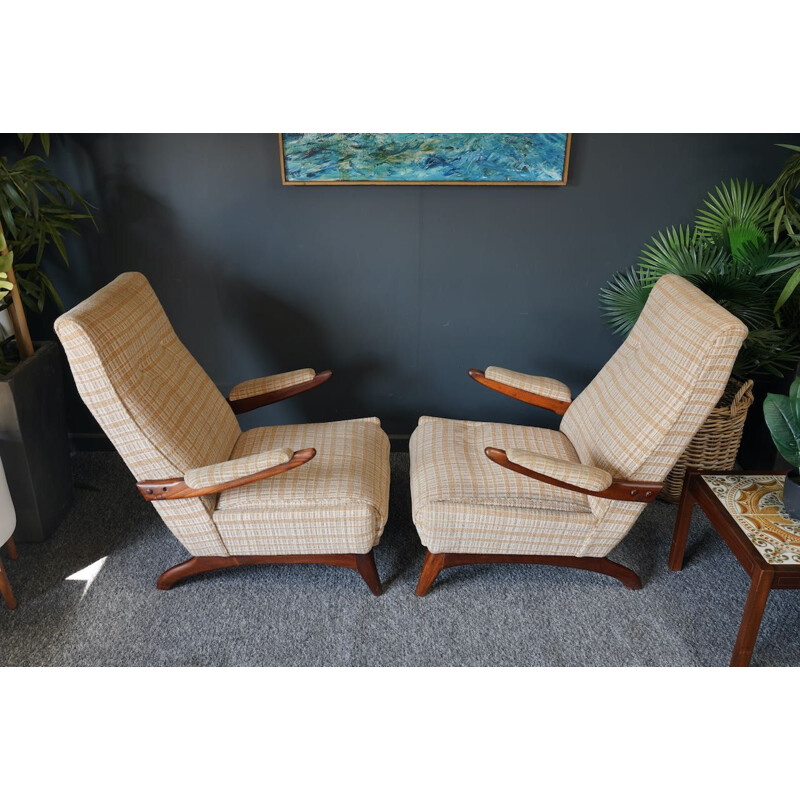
(462,502)
(546,387)
(151,398)
(203,477)
(582,475)
(336,503)
(270,383)
(167,419)
(633,421)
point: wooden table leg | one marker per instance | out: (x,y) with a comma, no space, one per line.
(757,597)
(681,527)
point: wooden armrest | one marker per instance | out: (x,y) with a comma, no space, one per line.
(176,488)
(634,491)
(266,398)
(551,404)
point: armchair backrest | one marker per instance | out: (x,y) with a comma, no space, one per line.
(152,399)
(640,412)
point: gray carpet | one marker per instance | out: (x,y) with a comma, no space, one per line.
(509,615)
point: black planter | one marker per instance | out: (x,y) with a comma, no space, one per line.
(33,442)
(791,494)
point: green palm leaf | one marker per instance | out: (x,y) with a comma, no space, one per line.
(735,215)
(623,299)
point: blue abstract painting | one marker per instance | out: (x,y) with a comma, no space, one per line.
(509,158)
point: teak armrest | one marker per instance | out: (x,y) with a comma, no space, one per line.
(177,489)
(550,403)
(250,402)
(635,491)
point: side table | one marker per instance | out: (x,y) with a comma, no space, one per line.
(746,509)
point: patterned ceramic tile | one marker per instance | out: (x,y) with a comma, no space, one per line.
(756,503)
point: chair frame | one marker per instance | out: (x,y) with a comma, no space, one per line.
(5,585)
(632,491)
(176,489)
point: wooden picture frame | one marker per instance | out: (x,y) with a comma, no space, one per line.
(331,182)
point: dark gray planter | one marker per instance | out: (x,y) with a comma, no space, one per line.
(791,494)
(33,442)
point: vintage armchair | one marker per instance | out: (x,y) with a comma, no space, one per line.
(312,493)
(489,493)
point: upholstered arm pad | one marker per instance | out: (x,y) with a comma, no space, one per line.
(226,475)
(581,475)
(546,387)
(270,383)
(215,474)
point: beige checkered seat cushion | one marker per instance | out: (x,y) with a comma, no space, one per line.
(337,503)
(462,502)
(633,421)
(167,419)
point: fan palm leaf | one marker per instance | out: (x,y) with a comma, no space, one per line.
(735,215)
(623,299)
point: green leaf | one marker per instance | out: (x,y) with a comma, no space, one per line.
(794,397)
(45,137)
(623,299)
(784,426)
(791,285)
(8,217)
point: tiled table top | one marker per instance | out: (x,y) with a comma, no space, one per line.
(755,502)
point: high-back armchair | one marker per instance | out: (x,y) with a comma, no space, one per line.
(284,494)
(486,492)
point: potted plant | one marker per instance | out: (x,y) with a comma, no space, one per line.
(727,254)
(37,209)
(782,414)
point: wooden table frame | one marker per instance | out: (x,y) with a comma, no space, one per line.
(763,576)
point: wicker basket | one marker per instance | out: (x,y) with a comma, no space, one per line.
(716,444)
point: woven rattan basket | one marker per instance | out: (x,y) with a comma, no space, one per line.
(716,444)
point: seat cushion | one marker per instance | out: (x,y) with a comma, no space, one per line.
(336,503)
(463,502)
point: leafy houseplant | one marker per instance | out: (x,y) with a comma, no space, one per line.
(726,255)
(785,218)
(37,210)
(782,414)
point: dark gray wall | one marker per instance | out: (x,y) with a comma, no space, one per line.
(398,289)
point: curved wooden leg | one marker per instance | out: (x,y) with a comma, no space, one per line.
(628,578)
(5,589)
(11,548)
(434,564)
(365,564)
(188,569)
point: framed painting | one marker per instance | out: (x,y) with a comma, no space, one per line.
(424,159)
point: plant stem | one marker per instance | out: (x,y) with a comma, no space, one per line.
(17,311)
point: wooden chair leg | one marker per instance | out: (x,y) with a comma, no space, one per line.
(5,589)
(681,531)
(434,564)
(365,564)
(11,549)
